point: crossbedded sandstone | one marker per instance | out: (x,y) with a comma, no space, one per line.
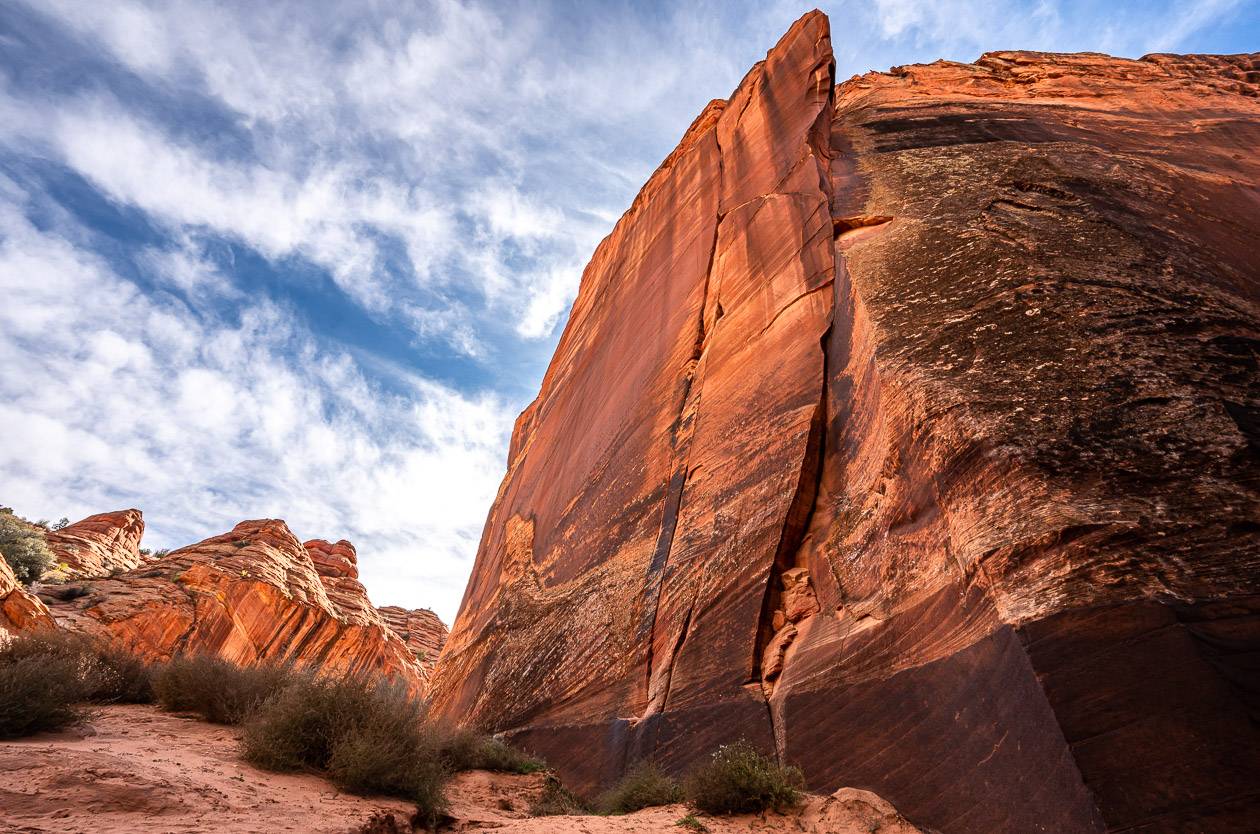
(98,545)
(254,594)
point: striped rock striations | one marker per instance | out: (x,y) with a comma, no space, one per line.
(97,546)
(419,628)
(252,595)
(907,428)
(20,610)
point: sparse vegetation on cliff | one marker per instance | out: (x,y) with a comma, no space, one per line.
(24,547)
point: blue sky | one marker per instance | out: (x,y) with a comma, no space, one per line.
(308,260)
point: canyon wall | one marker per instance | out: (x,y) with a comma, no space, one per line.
(907,428)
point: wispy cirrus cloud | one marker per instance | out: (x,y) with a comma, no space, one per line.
(110,396)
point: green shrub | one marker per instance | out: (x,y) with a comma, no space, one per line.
(368,738)
(463,749)
(739,780)
(644,786)
(24,547)
(219,691)
(690,823)
(556,800)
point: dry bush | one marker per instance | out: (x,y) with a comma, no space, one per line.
(740,780)
(48,675)
(557,800)
(368,738)
(39,694)
(464,749)
(219,691)
(644,786)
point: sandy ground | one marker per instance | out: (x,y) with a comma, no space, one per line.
(136,770)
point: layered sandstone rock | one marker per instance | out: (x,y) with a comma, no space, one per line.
(419,628)
(252,595)
(908,429)
(20,610)
(97,546)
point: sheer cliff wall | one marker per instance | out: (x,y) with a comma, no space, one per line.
(907,428)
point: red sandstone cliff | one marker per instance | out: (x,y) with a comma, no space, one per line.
(250,595)
(97,546)
(908,428)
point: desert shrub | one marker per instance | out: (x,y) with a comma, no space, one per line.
(644,786)
(105,673)
(219,691)
(463,749)
(24,547)
(368,738)
(39,694)
(120,677)
(556,800)
(47,677)
(690,823)
(740,780)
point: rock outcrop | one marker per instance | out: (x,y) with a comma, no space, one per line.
(97,546)
(20,610)
(252,595)
(908,428)
(419,628)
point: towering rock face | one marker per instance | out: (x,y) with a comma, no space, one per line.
(907,428)
(97,546)
(252,595)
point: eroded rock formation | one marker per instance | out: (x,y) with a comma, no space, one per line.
(251,595)
(419,628)
(97,546)
(908,428)
(20,610)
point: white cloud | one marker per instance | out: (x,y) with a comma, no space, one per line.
(112,397)
(419,153)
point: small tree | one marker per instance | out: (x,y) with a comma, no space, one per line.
(24,547)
